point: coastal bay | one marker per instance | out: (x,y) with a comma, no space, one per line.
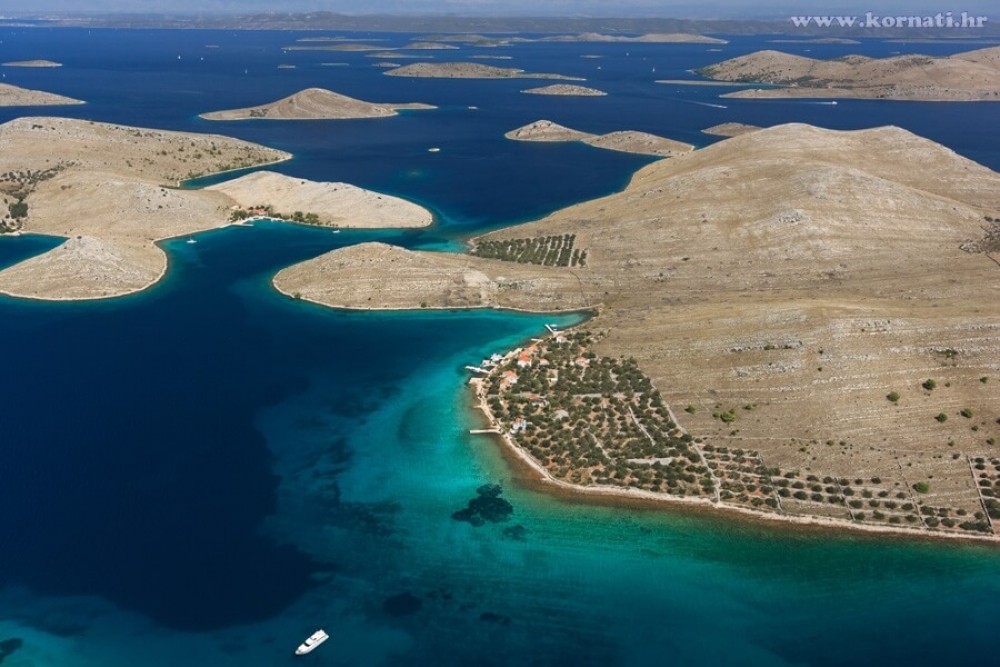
(282,465)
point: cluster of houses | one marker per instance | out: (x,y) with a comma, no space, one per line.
(526,357)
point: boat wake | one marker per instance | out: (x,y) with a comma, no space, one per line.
(707,104)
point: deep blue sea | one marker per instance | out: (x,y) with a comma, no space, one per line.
(204,473)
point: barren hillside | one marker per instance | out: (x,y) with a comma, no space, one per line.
(792,278)
(314,104)
(967,76)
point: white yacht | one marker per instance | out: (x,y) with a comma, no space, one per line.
(314,640)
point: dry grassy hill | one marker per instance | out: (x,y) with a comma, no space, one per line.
(967,76)
(314,104)
(793,277)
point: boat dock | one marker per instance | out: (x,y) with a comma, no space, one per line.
(483,431)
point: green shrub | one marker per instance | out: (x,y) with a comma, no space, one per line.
(892,396)
(922,487)
(966,412)
(929,384)
(941,417)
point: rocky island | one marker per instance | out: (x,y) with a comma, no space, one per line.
(32,63)
(113,192)
(970,76)
(796,323)
(565,89)
(314,104)
(649,38)
(626,141)
(466,70)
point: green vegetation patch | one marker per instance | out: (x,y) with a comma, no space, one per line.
(543,250)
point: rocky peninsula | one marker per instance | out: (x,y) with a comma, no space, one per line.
(326,204)
(797,323)
(15,96)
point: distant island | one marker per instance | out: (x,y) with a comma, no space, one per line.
(641,143)
(565,89)
(15,96)
(970,76)
(482,31)
(466,70)
(32,63)
(764,340)
(429,46)
(112,191)
(649,38)
(816,40)
(730,129)
(701,82)
(338,46)
(314,104)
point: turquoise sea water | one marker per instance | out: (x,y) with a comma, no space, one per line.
(206,472)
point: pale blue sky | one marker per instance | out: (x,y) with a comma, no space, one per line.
(623,8)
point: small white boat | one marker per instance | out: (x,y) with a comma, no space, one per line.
(314,640)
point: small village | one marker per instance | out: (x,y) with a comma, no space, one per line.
(599,424)
(240,214)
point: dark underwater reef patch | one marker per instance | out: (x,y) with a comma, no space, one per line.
(9,646)
(486,506)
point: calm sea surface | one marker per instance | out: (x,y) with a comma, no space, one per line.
(204,473)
